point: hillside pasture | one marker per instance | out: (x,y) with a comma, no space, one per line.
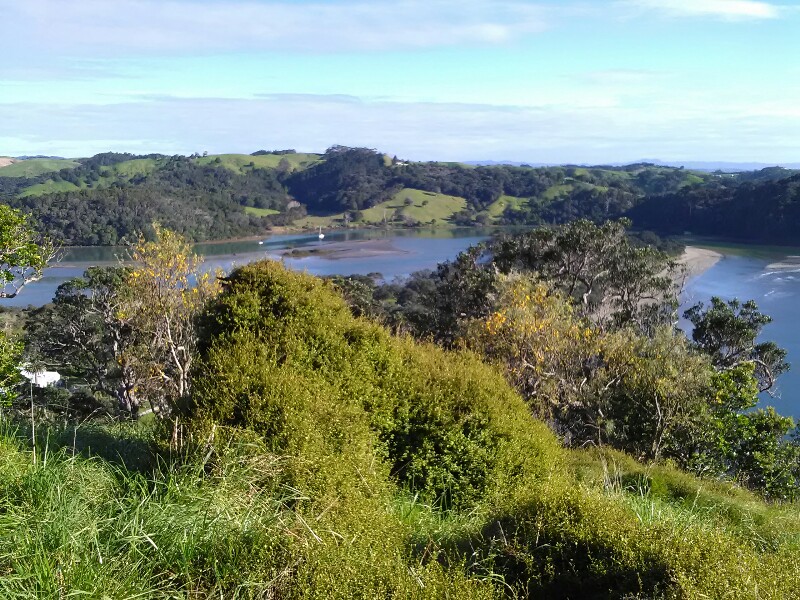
(34,167)
(496,209)
(240,163)
(49,187)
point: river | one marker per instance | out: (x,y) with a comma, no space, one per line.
(749,273)
(402,253)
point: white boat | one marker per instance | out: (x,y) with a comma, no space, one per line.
(321,235)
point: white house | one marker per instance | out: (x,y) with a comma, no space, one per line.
(41,378)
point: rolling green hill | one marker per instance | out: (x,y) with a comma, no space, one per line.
(498,207)
(129,169)
(36,166)
(425,207)
(239,163)
(49,187)
(348,186)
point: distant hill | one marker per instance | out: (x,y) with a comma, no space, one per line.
(104,198)
(31,167)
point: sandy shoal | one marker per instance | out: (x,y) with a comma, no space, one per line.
(698,260)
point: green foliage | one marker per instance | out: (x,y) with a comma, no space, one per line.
(592,385)
(764,209)
(23,253)
(286,358)
(86,335)
(727,332)
(598,268)
(110,197)
(326,458)
(10,355)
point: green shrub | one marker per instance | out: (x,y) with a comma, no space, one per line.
(285,357)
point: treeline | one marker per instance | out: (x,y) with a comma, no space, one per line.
(764,211)
(206,198)
(201,202)
(357,178)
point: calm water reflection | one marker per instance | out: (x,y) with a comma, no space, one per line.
(419,249)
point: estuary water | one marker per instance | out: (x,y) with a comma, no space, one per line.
(392,253)
(774,283)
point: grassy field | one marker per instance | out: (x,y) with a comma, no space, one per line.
(49,187)
(35,167)
(425,207)
(241,162)
(132,168)
(556,191)
(498,207)
(260,212)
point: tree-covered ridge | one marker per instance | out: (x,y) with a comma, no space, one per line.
(110,202)
(765,210)
(104,198)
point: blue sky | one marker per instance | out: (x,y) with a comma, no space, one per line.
(572,81)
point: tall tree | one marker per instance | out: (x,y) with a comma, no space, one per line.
(167,289)
(728,332)
(596,266)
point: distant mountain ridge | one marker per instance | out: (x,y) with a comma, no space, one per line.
(707,166)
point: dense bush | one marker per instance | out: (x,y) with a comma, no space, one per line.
(285,357)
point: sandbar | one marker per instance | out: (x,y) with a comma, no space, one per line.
(698,260)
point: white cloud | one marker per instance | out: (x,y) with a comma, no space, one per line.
(733,10)
(416,130)
(177,26)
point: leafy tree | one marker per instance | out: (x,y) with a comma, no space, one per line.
(598,268)
(166,290)
(593,386)
(10,355)
(727,331)
(87,333)
(732,439)
(23,256)
(23,253)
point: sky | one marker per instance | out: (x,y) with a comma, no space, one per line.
(507,80)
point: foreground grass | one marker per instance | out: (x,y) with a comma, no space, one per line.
(77,526)
(73,525)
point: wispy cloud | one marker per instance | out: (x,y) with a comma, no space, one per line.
(178,26)
(733,10)
(417,130)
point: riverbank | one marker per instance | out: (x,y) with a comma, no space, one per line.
(698,260)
